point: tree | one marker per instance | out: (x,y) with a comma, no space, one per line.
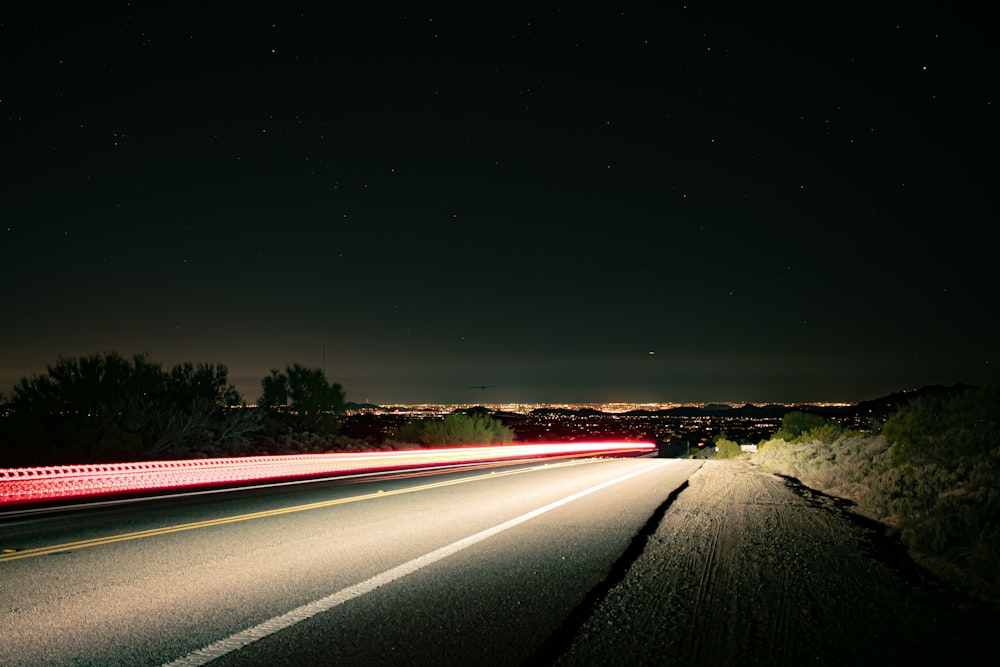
(189,383)
(109,407)
(304,396)
(81,402)
(795,424)
(94,385)
(274,392)
(311,394)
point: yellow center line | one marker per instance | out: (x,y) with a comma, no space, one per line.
(166,530)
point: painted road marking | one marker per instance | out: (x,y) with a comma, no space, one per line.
(237,641)
(9,555)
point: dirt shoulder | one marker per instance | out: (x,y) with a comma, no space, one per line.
(750,568)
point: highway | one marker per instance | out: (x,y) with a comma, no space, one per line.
(495,564)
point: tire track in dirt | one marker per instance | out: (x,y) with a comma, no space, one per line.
(745,569)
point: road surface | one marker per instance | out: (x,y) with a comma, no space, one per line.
(623,562)
(477,567)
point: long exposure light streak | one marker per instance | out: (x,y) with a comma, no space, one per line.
(20,486)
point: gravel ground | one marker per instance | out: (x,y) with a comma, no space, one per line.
(748,568)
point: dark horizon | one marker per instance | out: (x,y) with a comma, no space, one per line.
(471,395)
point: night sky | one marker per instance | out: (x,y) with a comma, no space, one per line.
(634,202)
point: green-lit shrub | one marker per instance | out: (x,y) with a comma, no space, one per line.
(827,433)
(933,474)
(455,429)
(727,448)
(795,423)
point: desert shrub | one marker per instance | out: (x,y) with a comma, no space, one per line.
(344,443)
(772,444)
(455,429)
(294,441)
(932,474)
(117,445)
(827,433)
(843,467)
(946,428)
(984,555)
(796,423)
(826,476)
(727,448)
(944,459)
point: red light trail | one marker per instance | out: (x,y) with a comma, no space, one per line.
(20,486)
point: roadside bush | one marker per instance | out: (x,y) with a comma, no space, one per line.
(794,424)
(727,448)
(932,474)
(827,433)
(411,432)
(454,429)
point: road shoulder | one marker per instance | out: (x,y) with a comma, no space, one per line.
(745,568)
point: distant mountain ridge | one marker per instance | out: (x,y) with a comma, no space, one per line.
(875,408)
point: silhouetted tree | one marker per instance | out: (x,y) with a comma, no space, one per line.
(108,407)
(189,383)
(304,396)
(456,429)
(274,392)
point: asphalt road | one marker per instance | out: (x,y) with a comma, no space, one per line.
(491,566)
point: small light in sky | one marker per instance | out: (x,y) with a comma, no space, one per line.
(549,193)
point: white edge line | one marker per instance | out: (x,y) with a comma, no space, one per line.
(237,641)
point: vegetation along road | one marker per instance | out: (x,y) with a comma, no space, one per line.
(749,568)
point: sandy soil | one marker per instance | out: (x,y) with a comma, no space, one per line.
(747,568)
